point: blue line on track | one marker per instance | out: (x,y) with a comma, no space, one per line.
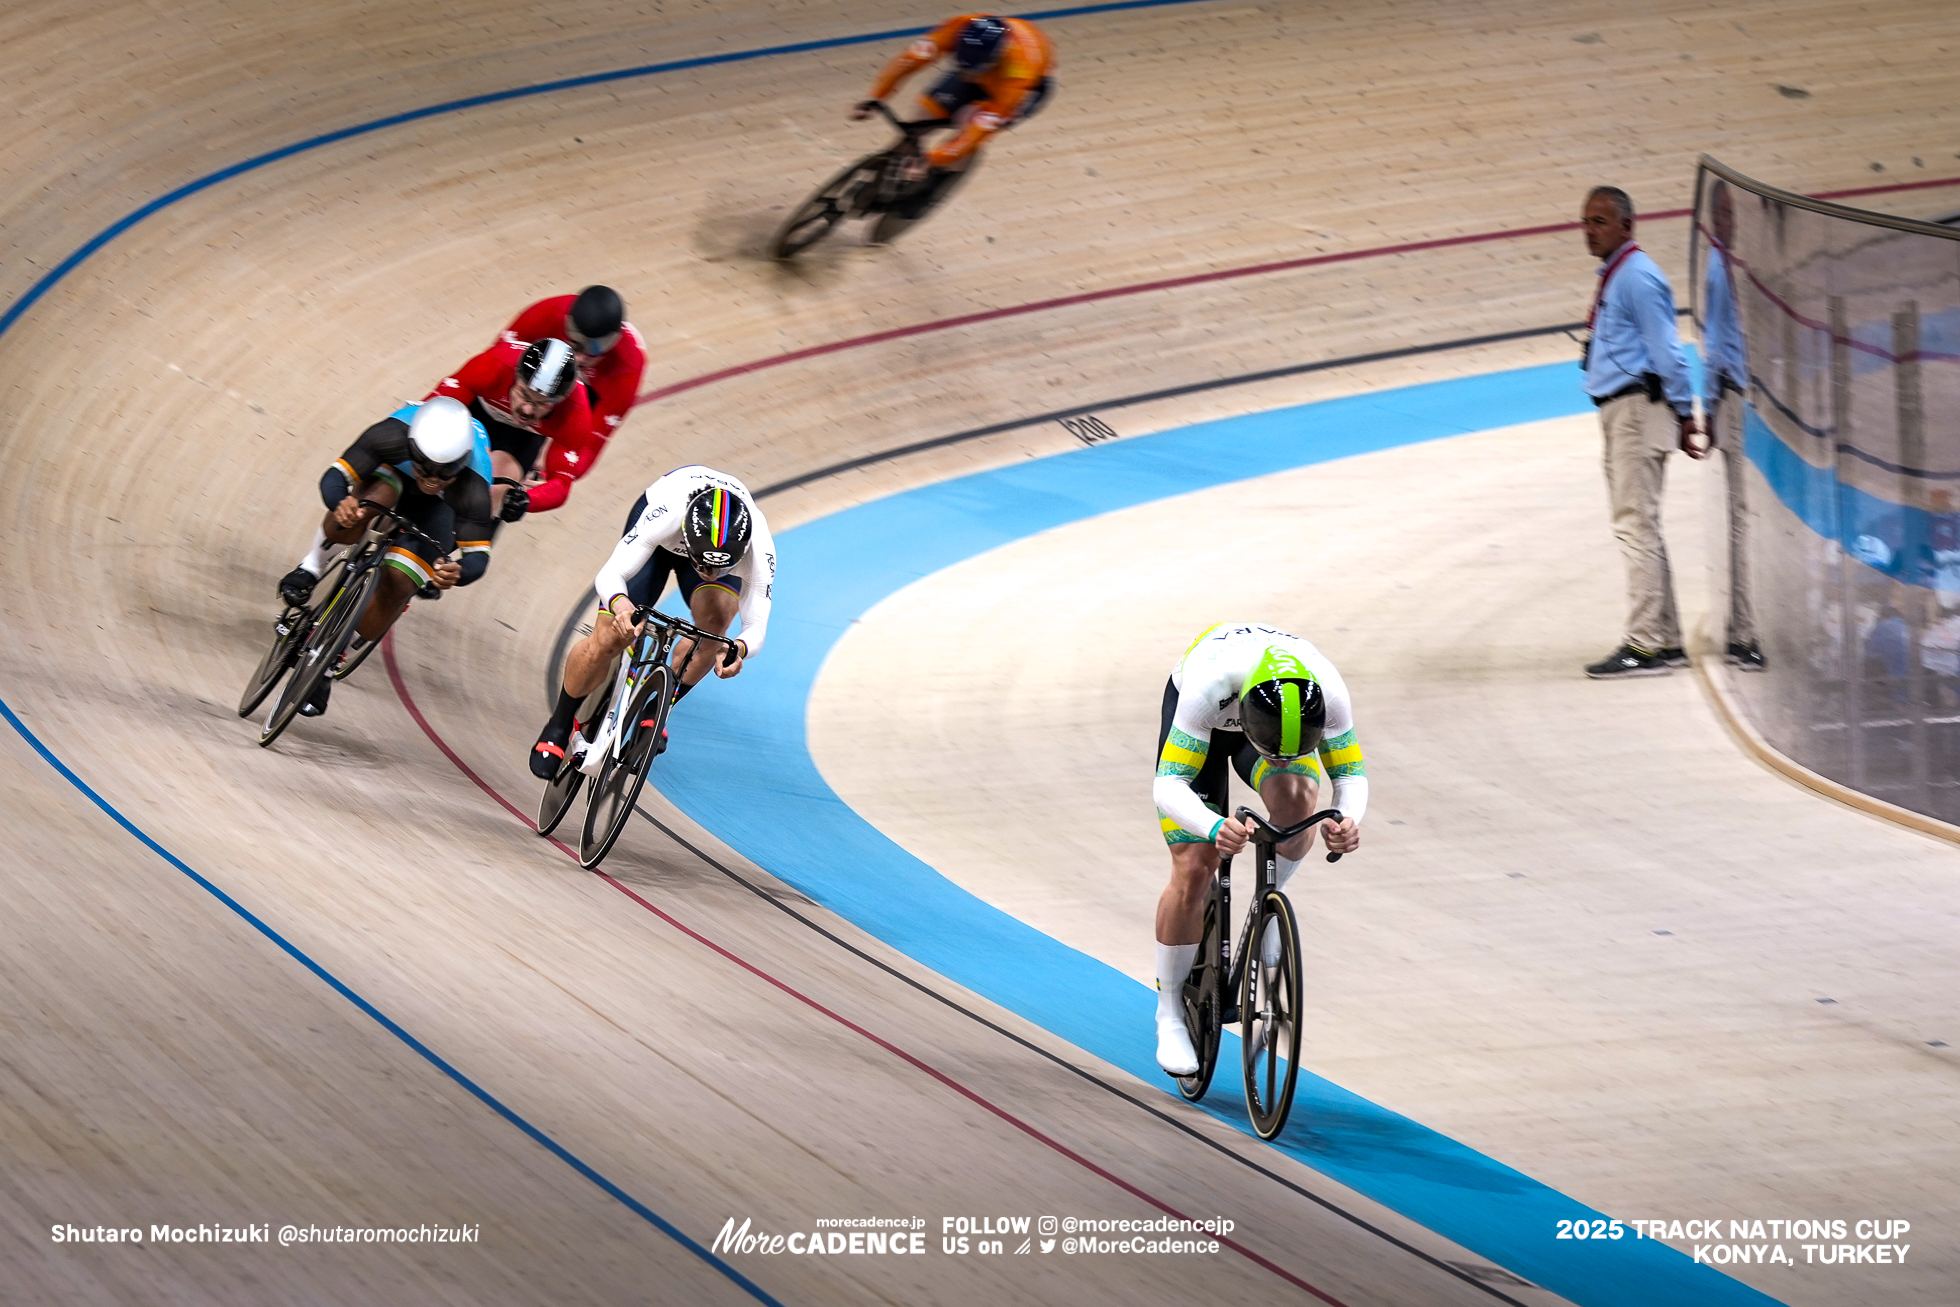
(54,276)
(117,228)
(387,1023)
(744,771)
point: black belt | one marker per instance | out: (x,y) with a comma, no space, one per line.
(1637,388)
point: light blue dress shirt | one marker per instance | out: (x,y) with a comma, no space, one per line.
(1634,333)
(1721,331)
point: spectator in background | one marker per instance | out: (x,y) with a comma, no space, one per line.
(1637,375)
(1725,380)
(611,355)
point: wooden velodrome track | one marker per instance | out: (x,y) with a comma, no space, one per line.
(584,1069)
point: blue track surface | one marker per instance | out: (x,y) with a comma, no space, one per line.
(743,770)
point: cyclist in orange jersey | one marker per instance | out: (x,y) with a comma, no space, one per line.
(998,76)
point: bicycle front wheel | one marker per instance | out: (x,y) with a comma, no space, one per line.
(1204,1006)
(334,630)
(617,787)
(564,787)
(1269,1017)
(833,202)
(287,634)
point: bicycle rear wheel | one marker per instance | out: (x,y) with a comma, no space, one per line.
(1204,992)
(331,634)
(564,787)
(832,203)
(1269,1016)
(287,634)
(617,786)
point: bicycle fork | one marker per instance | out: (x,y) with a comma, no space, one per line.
(602,742)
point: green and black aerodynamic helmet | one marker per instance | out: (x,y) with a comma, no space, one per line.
(1282,708)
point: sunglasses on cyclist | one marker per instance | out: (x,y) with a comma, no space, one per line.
(590,346)
(437,471)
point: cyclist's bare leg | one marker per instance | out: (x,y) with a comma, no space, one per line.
(592,657)
(1181,907)
(331,539)
(390,597)
(1291,798)
(713,610)
(1180,925)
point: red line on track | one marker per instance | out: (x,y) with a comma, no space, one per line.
(414,712)
(1196,279)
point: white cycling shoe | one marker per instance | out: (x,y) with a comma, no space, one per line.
(1174,1051)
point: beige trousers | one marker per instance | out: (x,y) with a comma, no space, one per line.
(1639,437)
(1727,421)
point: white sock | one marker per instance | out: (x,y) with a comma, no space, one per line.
(1283,869)
(319,558)
(1173,966)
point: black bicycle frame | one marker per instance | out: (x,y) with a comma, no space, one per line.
(890,189)
(1266,839)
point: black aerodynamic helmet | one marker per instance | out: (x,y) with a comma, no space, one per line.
(598,316)
(1282,709)
(716,526)
(978,46)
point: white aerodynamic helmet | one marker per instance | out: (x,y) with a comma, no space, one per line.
(441,437)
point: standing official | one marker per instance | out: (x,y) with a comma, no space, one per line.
(1637,375)
(1725,379)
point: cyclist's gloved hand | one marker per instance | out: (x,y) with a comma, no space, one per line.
(517,502)
(1231,835)
(863,109)
(1343,836)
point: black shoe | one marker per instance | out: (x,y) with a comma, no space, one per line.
(1745,657)
(549,752)
(1628,660)
(316,703)
(429,590)
(1673,655)
(296,587)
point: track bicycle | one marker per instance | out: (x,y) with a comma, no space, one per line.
(874,187)
(1224,988)
(628,738)
(358,652)
(309,641)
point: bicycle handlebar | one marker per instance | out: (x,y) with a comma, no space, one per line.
(914,128)
(647,612)
(401,523)
(1281,834)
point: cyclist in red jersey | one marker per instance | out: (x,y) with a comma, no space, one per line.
(611,357)
(524,395)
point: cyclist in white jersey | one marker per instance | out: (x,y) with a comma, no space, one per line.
(1269,706)
(703,528)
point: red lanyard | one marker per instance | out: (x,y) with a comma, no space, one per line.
(1606,277)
